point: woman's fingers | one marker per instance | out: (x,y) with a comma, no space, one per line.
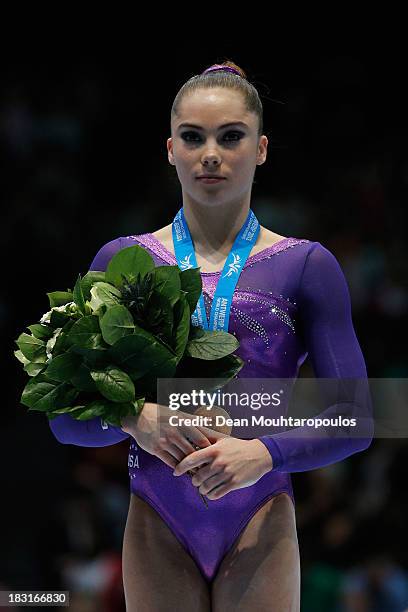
(196,436)
(183,444)
(176,452)
(211,434)
(184,447)
(167,458)
(202,473)
(213,482)
(186,437)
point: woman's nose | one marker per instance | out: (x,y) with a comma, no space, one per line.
(211,159)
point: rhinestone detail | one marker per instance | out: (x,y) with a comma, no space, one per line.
(281,314)
(251,324)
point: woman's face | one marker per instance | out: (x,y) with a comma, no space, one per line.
(201,144)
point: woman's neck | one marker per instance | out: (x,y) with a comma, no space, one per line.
(212,228)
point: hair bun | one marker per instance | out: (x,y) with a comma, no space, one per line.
(227,66)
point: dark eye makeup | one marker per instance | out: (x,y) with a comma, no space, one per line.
(187,136)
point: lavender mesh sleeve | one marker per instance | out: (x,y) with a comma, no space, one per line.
(94,432)
(326,320)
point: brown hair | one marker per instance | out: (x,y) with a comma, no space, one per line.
(227,79)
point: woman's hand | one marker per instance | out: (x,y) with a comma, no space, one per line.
(229,464)
(152,431)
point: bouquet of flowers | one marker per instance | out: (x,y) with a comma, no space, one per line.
(101,348)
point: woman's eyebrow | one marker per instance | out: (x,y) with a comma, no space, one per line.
(198,127)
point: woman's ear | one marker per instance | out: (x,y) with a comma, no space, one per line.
(262,150)
(170,151)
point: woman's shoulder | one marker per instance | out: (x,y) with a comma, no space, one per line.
(268,238)
(322,264)
(320,251)
(105,254)
(163,233)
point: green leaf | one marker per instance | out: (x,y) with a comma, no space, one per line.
(79,296)
(147,384)
(59,298)
(182,324)
(73,411)
(128,261)
(191,283)
(221,371)
(32,348)
(63,367)
(59,319)
(114,384)
(95,359)
(112,412)
(196,332)
(212,345)
(103,294)
(40,331)
(33,369)
(82,379)
(94,409)
(139,352)
(19,355)
(114,415)
(116,323)
(40,393)
(62,343)
(166,282)
(91,278)
(86,333)
(160,316)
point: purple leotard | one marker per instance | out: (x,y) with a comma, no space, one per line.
(291,300)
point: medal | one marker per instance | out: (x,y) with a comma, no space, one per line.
(186,259)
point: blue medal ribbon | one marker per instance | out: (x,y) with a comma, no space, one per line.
(186,259)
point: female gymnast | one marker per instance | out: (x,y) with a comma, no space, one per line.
(287,298)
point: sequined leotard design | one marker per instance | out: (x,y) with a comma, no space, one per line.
(291,300)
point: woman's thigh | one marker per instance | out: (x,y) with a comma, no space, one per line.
(158,574)
(262,570)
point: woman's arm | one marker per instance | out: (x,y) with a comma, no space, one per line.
(93,432)
(326,319)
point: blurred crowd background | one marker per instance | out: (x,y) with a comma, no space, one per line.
(83,160)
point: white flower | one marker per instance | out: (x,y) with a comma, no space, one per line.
(64,308)
(46,317)
(51,342)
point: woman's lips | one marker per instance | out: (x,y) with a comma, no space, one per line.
(210,181)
